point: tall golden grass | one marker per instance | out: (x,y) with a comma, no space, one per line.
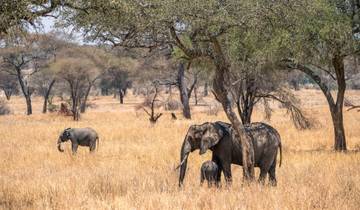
(134,165)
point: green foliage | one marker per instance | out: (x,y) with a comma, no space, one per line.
(308,31)
(251,33)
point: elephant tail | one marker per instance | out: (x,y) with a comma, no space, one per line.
(280,153)
(97,143)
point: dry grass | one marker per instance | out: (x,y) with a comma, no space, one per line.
(133,168)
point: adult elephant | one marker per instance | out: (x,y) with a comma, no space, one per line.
(79,136)
(226,149)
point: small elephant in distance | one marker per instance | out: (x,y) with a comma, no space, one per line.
(79,136)
(209,171)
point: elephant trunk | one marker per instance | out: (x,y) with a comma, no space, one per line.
(185,150)
(59,145)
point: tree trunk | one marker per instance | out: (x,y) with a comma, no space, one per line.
(104,91)
(337,113)
(246,101)
(46,96)
(83,104)
(247,147)
(196,95)
(245,114)
(28,105)
(339,131)
(26,92)
(221,84)
(121,96)
(206,91)
(184,96)
(75,110)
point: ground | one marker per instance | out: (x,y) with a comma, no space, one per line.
(134,165)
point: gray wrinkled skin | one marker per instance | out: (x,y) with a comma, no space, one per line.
(219,137)
(208,172)
(79,136)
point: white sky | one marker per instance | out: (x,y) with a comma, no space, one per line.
(48,25)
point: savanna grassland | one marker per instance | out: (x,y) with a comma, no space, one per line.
(134,165)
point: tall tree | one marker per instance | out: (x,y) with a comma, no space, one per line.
(119,80)
(315,37)
(80,73)
(23,57)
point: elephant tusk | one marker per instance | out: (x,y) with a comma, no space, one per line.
(182,162)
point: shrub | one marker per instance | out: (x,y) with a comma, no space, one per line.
(172,105)
(213,109)
(4,108)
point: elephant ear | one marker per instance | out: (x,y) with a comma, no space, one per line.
(212,135)
(66,133)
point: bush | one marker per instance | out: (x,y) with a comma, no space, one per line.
(148,100)
(172,105)
(213,109)
(52,108)
(4,108)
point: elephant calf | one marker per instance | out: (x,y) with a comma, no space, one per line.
(209,171)
(79,136)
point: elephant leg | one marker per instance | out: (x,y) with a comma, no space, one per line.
(74,147)
(272,175)
(218,174)
(217,184)
(92,147)
(266,164)
(209,182)
(213,178)
(263,173)
(227,173)
(201,178)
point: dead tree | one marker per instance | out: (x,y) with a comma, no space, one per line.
(153,116)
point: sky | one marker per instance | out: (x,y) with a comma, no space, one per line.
(48,25)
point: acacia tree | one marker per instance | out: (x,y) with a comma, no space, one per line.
(119,80)
(75,73)
(255,80)
(197,29)
(80,73)
(315,37)
(23,57)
